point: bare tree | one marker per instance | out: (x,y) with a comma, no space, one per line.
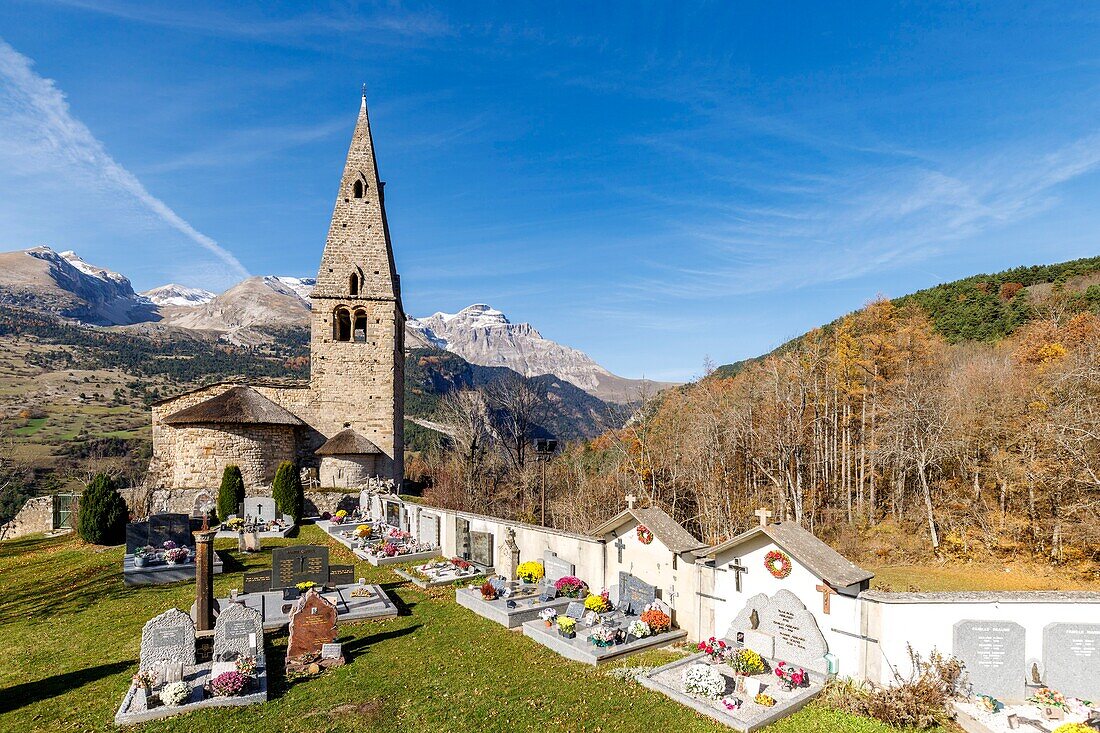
(518,407)
(465,416)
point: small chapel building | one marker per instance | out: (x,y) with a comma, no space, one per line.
(346,425)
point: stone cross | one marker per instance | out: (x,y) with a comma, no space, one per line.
(826,592)
(737,569)
(621,546)
(764,515)
(630,500)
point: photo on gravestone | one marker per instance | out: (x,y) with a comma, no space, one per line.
(168,639)
(393,513)
(298,564)
(993,652)
(1071,659)
(238,633)
(481,548)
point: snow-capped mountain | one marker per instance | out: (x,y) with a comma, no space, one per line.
(248,311)
(303,286)
(480,334)
(64,284)
(174,294)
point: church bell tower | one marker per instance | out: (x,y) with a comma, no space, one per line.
(357,360)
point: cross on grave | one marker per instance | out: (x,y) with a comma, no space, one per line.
(630,499)
(764,514)
(620,545)
(737,569)
(826,592)
(672,595)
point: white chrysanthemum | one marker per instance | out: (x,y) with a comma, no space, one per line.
(705,681)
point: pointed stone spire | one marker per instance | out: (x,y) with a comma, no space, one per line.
(358,258)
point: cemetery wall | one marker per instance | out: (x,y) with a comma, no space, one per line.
(143,501)
(839,627)
(35,516)
(891,621)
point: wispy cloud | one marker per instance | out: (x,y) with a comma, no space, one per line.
(38,130)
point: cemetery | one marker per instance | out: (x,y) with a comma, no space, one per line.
(510,603)
(380,542)
(161,549)
(258,518)
(439,573)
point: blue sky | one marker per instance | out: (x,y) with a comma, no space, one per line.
(651,183)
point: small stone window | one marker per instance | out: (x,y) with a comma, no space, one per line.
(357,189)
(353,283)
(359,329)
(341,325)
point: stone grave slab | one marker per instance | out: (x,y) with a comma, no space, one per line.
(579,649)
(1071,659)
(238,632)
(481,549)
(993,652)
(526,604)
(634,593)
(429,528)
(798,640)
(298,564)
(556,568)
(168,639)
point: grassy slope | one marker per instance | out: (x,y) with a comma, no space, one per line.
(934,577)
(70,633)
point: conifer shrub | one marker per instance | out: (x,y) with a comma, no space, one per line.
(102,513)
(231,492)
(288,492)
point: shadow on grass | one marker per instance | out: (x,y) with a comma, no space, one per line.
(28,693)
(363,642)
(403,608)
(58,593)
(230,562)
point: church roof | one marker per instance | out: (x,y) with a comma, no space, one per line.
(238,405)
(823,560)
(664,528)
(347,442)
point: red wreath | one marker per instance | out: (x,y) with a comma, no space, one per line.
(778,564)
(645,535)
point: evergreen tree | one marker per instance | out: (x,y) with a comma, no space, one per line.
(102,513)
(231,493)
(288,492)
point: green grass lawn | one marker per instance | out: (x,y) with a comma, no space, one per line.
(70,633)
(33,426)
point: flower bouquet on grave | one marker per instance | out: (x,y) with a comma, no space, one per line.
(548,615)
(1051,703)
(389,549)
(228,684)
(145,556)
(763,700)
(745,663)
(603,636)
(461,564)
(731,703)
(637,630)
(362,531)
(570,586)
(338,517)
(169,545)
(146,679)
(704,680)
(530,571)
(176,555)
(715,649)
(598,603)
(246,666)
(488,592)
(790,677)
(567,627)
(175,694)
(657,620)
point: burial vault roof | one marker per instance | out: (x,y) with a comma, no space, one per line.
(823,560)
(347,442)
(665,528)
(238,405)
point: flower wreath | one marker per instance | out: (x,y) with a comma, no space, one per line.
(778,564)
(645,534)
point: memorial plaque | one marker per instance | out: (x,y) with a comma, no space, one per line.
(797,638)
(993,652)
(555,568)
(168,639)
(299,564)
(1071,659)
(341,574)
(332,651)
(429,529)
(238,632)
(257,581)
(634,594)
(260,508)
(312,625)
(393,513)
(481,548)
(575,610)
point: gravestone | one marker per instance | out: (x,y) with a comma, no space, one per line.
(508,561)
(238,632)
(340,575)
(298,564)
(481,548)
(555,568)
(993,652)
(312,625)
(747,619)
(168,639)
(634,594)
(259,508)
(462,538)
(798,640)
(429,529)
(575,610)
(393,513)
(1071,659)
(257,581)
(170,527)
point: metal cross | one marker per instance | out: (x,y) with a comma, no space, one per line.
(621,546)
(737,569)
(764,514)
(826,592)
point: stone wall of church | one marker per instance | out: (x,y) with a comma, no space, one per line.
(346,472)
(203,452)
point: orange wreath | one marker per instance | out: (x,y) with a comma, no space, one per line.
(645,535)
(778,564)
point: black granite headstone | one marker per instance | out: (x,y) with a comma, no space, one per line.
(341,574)
(257,581)
(299,564)
(634,594)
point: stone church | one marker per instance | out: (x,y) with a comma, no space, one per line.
(345,427)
